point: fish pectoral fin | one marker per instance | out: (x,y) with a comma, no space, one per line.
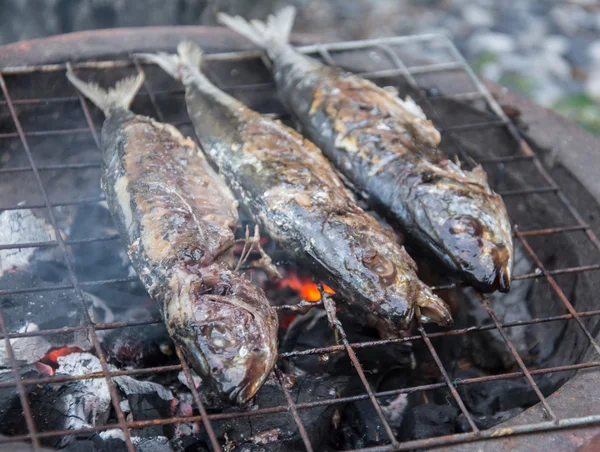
(265,263)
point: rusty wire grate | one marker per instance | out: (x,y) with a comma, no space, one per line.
(499,119)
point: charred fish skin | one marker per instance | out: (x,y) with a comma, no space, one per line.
(178,216)
(389,151)
(292,191)
(450,211)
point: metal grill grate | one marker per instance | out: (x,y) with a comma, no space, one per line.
(497,118)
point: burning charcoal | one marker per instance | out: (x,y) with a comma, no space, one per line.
(131,386)
(189,444)
(21,226)
(488,349)
(431,420)
(304,285)
(312,330)
(147,400)
(485,421)
(309,331)
(139,346)
(262,439)
(183,379)
(77,404)
(26,349)
(363,426)
(82,403)
(149,406)
(93,442)
(20,447)
(486,399)
(152,444)
(68,405)
(11,412)
(20,308)
(394,409)
(279,432)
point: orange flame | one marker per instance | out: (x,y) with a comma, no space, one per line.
(305,286)
(49,363)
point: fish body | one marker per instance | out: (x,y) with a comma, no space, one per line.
(293,192)
(178,217)
(388,150)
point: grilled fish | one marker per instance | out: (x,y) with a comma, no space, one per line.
(388,150)
(178,217)
(293,192)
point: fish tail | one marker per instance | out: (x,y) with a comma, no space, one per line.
(119,96)
(190,54)
(187,59)
(275,30)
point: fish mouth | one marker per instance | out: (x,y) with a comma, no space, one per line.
(431,309)
(499,279)
(503,279)
(242,394)
(256,374)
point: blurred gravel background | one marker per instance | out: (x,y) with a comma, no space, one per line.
(548,50)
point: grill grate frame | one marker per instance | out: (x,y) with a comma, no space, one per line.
(324,50)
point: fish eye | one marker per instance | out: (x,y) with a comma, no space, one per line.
(464,224)
(218,336)
(380,265)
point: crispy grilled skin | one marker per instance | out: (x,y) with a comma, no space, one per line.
(177,217)
(294,193)
(388,150)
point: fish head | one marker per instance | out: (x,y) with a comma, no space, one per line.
(226,330)
(385,276)
(469,230)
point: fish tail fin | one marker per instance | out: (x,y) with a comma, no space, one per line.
(119,96)
(188,57)
(276,29)
(190,54)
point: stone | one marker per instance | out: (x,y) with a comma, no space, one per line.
(593,51)
(492,71)
(492,42)
(569,18)
(557,44)
(548,93)
(552,63)
(477,16)
(578,53)
(592,84)
(531,35)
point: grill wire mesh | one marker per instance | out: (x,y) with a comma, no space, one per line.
(327,52)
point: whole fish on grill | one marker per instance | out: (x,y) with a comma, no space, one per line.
(178,217)
(290,188)
(387,149)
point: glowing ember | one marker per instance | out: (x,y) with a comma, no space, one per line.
(286,320)
(49,363)
(305,286)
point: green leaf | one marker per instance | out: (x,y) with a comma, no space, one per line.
(482,59)
(520,83)
(581,109)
